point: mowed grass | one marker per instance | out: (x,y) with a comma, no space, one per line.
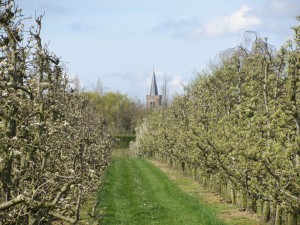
(225,211)
(137,192)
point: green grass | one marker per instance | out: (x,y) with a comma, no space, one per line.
(137,192)
(227,212)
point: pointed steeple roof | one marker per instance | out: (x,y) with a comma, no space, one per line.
(153,90)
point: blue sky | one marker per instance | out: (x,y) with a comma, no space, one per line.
(118,41)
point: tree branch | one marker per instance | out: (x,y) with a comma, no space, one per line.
(63,190)
(62,217)
(6,205)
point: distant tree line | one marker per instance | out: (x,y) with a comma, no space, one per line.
(237,127)
(121,113)
(54,145)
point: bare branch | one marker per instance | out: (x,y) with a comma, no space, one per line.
(13,202)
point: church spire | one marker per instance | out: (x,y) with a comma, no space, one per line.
(153,90)
(154,99)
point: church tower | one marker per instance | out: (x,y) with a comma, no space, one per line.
(154,100)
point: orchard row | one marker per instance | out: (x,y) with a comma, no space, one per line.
(53,144)
(238,127)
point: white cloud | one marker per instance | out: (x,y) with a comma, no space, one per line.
(242,19)
(278,5)
(285,7)
(277,17)
(177,85)
(177,81)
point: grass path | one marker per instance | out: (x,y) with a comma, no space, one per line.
(226,211)
(137,192)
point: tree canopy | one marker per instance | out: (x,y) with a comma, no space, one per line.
(121,113)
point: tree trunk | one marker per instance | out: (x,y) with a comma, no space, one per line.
(183,166)
(233,196)
(242,200)
(259,208)
(251,205)
(278,217)
(195,174)
(292,219)
(273,212)
(266,212)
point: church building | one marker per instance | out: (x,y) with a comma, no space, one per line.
(154,100)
